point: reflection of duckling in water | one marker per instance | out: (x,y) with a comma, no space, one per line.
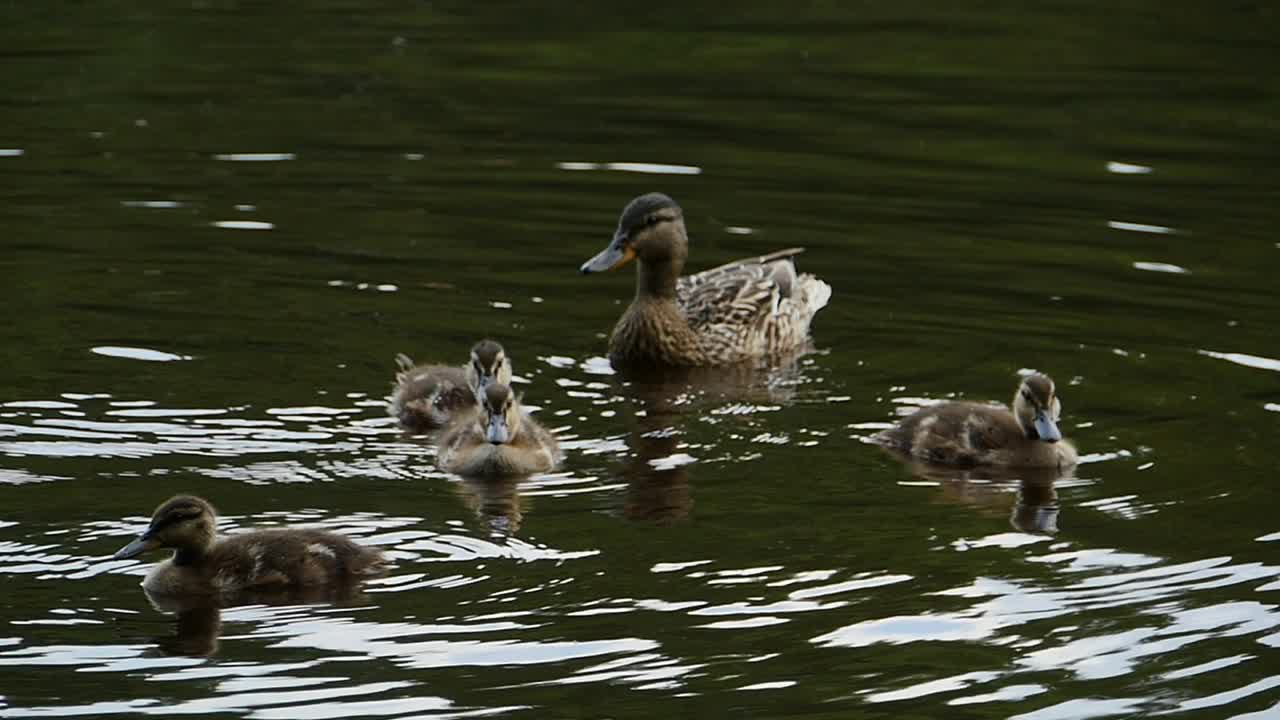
(745,309)
(496,501)
(426,397)
(1035,509)
(967,433)
(203,563)
(199,617)
(499,440)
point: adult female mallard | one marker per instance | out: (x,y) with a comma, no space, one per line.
(500,440)
(746,309)
(426,397)
(203,563)
(968,433)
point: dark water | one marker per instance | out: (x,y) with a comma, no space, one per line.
(221,222)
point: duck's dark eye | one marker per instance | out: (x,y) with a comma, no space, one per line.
(649,221)
(1026,394)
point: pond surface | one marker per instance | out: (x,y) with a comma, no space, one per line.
(222,222)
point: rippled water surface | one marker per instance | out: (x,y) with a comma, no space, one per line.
(222,220)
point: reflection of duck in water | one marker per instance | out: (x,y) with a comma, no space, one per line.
(499,440)
(203,563)
(496,501)
(426,397)
(967,433)
(1035,508)
(657,472)
(199,617)
(657,481)
(745,309)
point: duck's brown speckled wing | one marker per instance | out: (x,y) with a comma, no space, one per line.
(737,290)
(751,307)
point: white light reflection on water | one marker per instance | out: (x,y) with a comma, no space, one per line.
(243,225)
(1161,267)
(1253,361)
(1109,579)
(1123,168)
(115,430)
(152,204)
(256,157)
(1140,227)
(651,168)
(133,353)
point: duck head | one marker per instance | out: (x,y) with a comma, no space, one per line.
(500,414)
(1037,408)
(489,364)
(650,229)
(185,523)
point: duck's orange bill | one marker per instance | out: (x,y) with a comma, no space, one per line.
(611,258)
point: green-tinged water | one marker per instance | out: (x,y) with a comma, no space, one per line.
(220,223)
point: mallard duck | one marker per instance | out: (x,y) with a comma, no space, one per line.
(967,433)
(203,563)
(426,397)
(498,441)
(746,309)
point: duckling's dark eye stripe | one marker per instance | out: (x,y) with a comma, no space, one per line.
(172,518)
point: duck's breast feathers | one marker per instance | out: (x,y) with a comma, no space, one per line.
(465,451)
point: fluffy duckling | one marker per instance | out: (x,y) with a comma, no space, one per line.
(746,309)
(966,433)
(426,397)
(498,441)
(203,563)
(489,364)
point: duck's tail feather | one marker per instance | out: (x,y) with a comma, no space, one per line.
(816,293)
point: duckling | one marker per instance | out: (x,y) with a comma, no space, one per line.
(426,397)
(203,563)
(966,433)
(745,309)
(498,441)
